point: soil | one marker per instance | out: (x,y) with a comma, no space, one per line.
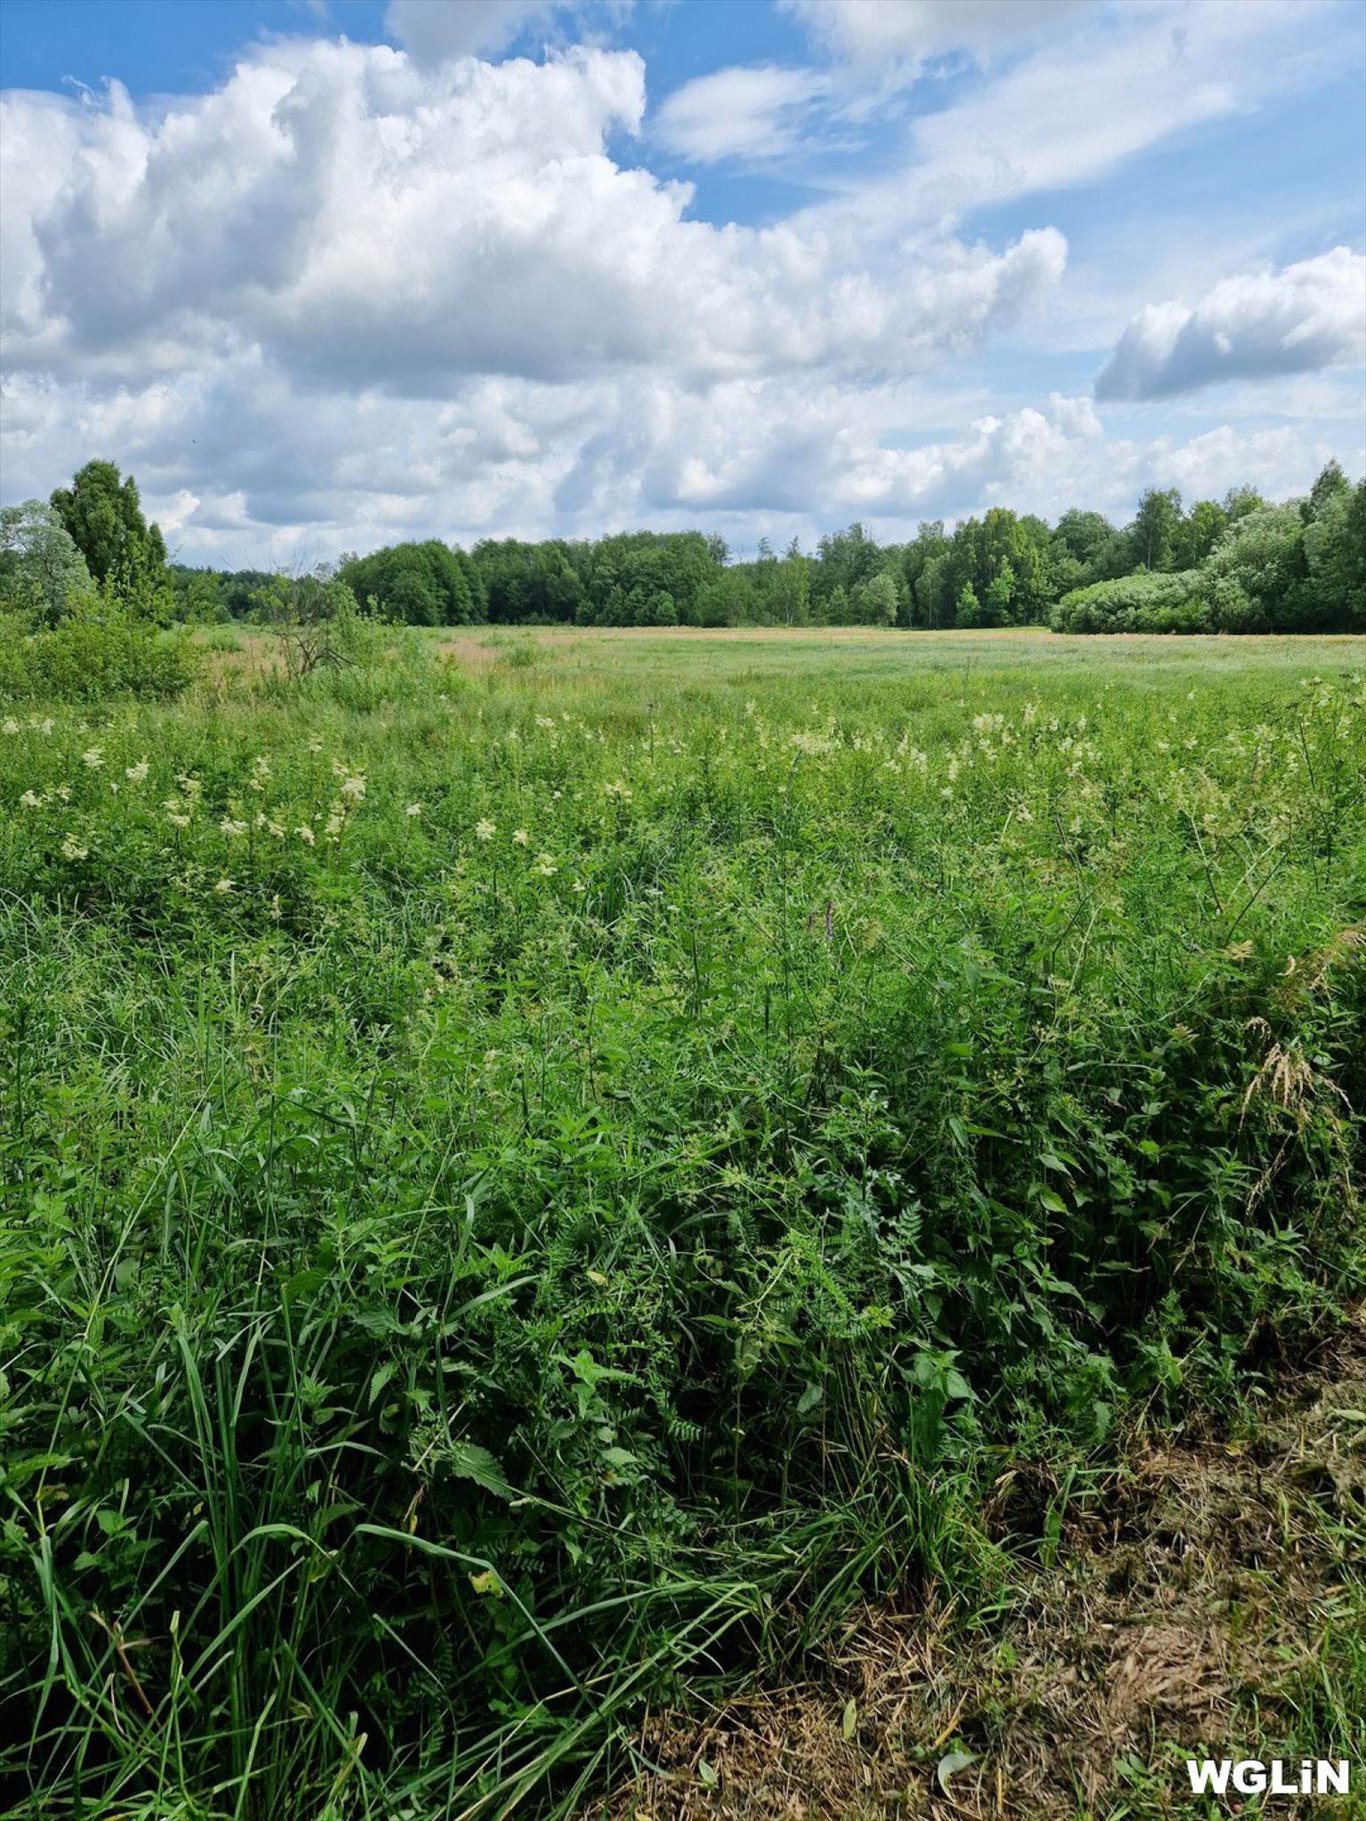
(1182,1611)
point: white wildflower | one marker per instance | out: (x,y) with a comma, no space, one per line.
(485,830)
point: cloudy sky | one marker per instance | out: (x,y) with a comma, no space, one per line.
(327,273)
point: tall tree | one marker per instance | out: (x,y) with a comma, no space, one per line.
(1153,533)
(103,515)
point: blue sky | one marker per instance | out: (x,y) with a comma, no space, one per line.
(325,273)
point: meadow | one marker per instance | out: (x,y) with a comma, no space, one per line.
(541,1169)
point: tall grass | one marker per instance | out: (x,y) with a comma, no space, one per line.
(611,1191)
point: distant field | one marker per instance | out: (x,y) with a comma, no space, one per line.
(544,1168)
(845,655)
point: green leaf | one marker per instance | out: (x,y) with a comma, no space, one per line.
(950,1764)
(470,1462)
(809,1398)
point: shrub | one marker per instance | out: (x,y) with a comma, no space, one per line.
(1141,602)
(97,652)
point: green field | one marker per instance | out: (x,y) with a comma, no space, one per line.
(542,1169)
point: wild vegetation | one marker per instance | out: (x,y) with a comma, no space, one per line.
(1240,565)
(539,1170)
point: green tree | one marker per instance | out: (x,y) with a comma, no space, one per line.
(875,600)
(967,607)
(999,597)
(1198,533)
(1259,567)
(1153,534)
(103,515)
(42,573)
(422,584)
(1334,594)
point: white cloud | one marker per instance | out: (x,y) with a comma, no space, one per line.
(742,112)
(434,31)
(1069,114)
(357,293)
(367,223)
(916,31)
(1298,320)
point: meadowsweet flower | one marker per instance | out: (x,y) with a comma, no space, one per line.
(135,774)
(413,810)
(485,830)
(578,886)
(335,822)
(276,829)
(46,725)
(546,866)
(618,790)
(11,725)
(315,745)
(231,828)
(306,835)
(63,791)
(521,837)
(31,800)
(93,756)
(177,820)
(275,910)
(223,887)
(353,787)
(72,849)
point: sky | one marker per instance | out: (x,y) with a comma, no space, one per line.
(325,274)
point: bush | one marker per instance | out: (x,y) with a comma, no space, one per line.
(1141,602)
(98,652)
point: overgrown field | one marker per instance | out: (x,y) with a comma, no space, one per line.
(539,1170)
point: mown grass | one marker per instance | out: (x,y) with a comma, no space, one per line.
(686,1117)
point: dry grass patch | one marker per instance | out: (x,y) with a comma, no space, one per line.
(1187,1607)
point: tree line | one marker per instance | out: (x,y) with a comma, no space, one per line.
(1240,564)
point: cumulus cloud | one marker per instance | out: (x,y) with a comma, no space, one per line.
(369,223)
(357,293)
(742,112)
(1297,320)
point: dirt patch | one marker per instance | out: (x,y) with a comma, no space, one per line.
(1192,1601)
